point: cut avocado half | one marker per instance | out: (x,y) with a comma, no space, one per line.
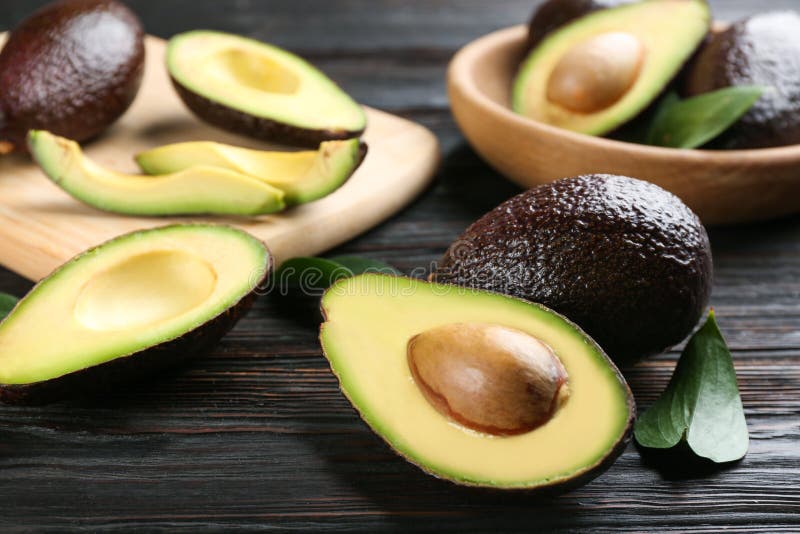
(200,189)
(128,308)
(303,176)
(600,71)
(401,349)
(260,90)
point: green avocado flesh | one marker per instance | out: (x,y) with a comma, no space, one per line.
(261,81)
(303,176)
(195,190)
(667,32)
(134,293)
(371,318)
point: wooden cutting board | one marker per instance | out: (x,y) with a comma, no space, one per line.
(41,226)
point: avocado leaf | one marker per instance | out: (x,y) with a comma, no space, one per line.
(7,303)
(312,276)
(695,121)
(701,404)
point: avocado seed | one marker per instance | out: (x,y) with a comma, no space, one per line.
(596,73)
(487,377)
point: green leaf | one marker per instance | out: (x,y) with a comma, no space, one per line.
(695,121)
(359,265)
(312,276)
(701,404)
(7,303)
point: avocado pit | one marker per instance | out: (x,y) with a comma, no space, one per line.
(487,377)
(596,73)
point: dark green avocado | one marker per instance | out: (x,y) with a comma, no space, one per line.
(553,14)
(627,261)
(127,309)
(761,50)
(256,89)
(72,68)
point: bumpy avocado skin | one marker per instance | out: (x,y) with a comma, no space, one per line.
(553,14)
(262,128)
(761,50)
(624,259)
(72,68)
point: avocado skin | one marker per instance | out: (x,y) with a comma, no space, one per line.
(148,362)
(261,128)
(761,50)
(73,68)
(553,488)
(624,259)
(554,14)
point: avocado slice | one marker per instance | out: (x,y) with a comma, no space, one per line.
(72,67)
(389,339)
(195,190)
(626,260)
(260,90)
(760,50)
(602,70)
(128,308)
(303,176)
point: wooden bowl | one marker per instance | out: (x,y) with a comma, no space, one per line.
(720,186)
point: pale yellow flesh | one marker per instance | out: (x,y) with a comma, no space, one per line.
(673,21)
(261,80)
(198,189)
(303,176)
(126,296)
(369,322)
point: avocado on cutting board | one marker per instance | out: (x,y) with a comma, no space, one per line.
(41,226)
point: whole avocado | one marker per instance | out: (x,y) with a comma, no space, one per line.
(626,260)
(553,14)
(72,68)
(761,50)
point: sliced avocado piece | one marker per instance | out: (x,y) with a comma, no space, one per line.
(600,71)
(260,90)
(128,308)
(760,50)
(476,387)
(195,190)
(303,176)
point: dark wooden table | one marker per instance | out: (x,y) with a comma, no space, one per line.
(257,435)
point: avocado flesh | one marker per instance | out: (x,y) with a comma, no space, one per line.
(195,190)
(134,294)
(257,89)
(303,176)
(670,31)
(369,321)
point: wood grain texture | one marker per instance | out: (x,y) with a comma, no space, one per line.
(41,226)
(257,436)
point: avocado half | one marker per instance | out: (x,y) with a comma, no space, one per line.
(73,67)
(603,69)
(128,308)
(370,321)
(303,176)
(200,189)
(260,90)
(760,50)
(553,14)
